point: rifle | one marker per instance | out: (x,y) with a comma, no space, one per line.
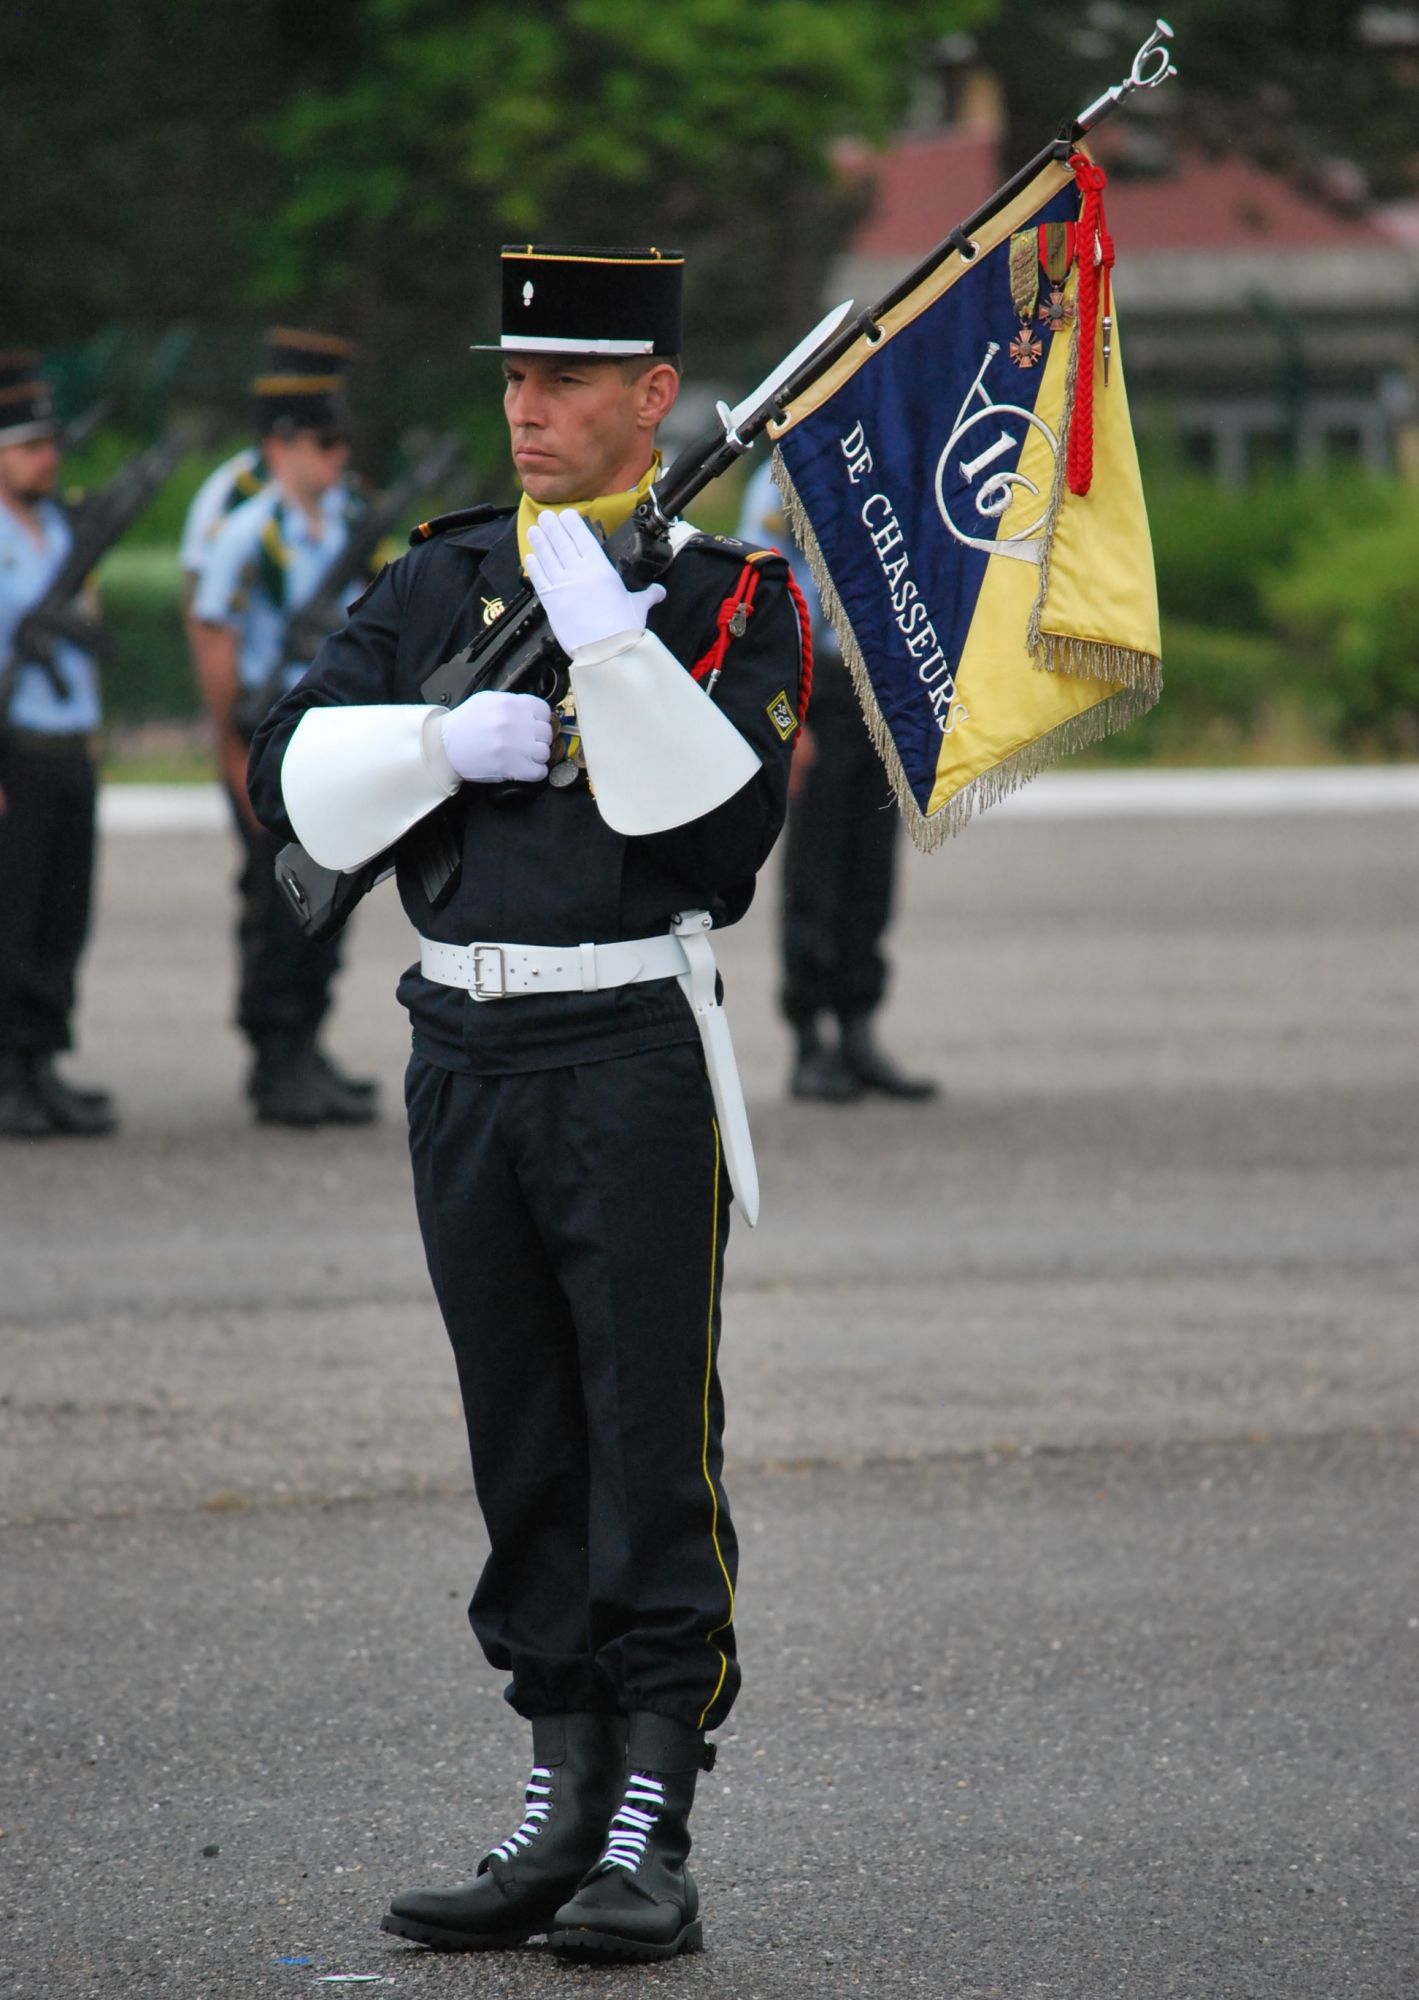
(80,429)
(324,612)
(518,654)
(96,523)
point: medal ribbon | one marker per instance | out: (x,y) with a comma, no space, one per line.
(1095,251)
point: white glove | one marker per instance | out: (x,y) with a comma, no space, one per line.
(494,736)
(579,586)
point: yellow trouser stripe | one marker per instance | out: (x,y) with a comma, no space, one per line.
(704,1453)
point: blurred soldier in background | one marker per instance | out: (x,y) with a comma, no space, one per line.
(260,536)
(49,719)
(839,863)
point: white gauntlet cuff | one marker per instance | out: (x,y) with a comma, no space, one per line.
(658,751)
(355,779)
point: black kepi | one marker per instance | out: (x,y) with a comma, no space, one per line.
(26,404)
(561,298)
(302,386)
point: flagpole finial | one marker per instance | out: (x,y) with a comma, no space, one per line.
(1152,65)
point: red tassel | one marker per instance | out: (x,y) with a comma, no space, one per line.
(1095,255)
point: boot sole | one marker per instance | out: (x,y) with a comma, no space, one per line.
(441,1940)
(604,1945)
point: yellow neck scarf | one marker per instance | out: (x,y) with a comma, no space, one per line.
(607,512)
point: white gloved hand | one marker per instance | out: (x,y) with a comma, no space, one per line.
(494,736)
(579,586)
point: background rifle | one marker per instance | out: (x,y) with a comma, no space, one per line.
(324,612)
(520,655)
(95,523)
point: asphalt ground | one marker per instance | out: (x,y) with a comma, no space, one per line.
(1072,1447)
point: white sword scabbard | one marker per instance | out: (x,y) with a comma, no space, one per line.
(698,984)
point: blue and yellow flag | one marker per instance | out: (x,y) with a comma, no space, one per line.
(993,616)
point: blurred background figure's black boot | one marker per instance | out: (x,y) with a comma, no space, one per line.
(577,1775)
(291,1084)
(23,1115)
(819,1071)
(640,1900)
(359,1089)
(87,1114)
(873,1070)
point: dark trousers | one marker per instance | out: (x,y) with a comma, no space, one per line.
(46,889)
(284,977)
(574,1222)
(839,863)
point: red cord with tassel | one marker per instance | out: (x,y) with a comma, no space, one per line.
(1095,250)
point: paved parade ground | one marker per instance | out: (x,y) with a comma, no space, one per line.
(1073,1447)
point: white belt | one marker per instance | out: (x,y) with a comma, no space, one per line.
(503,971)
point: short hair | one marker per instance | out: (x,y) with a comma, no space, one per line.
(633,366)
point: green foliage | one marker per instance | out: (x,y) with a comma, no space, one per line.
(1226,699)
(1290,621)
(706,126)
(1349,602)
(1216,547)
(1292,83)
(151,677)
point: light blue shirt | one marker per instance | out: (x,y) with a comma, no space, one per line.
(234,587)
(209,506)
(27,568)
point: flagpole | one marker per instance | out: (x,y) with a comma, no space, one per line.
(708,457)
(1151,66)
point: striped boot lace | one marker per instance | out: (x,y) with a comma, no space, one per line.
(537,1807)
(632,1821)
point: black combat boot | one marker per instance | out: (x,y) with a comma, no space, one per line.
(578,1771)
(363,1089)
(23,1114)
(87,1114)
(291,1085)
(872,1070)
(640,1900)
(818,1071)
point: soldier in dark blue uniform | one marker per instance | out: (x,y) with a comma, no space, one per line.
(49,722)
(839,866)
(571,1175)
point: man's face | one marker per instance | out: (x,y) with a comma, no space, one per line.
(309,463)
(582,428)
(29,472)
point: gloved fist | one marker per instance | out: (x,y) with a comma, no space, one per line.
(494,736)
(579,586)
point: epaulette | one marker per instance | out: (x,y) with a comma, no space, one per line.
(731,545)
(461,517)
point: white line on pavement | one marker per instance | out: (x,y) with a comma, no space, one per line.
(1357,788)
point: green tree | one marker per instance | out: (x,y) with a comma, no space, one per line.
(706,125)
(1293,83)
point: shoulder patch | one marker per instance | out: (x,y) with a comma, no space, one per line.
(461,517)
(783,715)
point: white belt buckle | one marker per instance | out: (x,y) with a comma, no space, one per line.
(480,987)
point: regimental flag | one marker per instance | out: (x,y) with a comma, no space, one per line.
(996,603)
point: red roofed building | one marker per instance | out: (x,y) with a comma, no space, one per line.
(1259,320)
